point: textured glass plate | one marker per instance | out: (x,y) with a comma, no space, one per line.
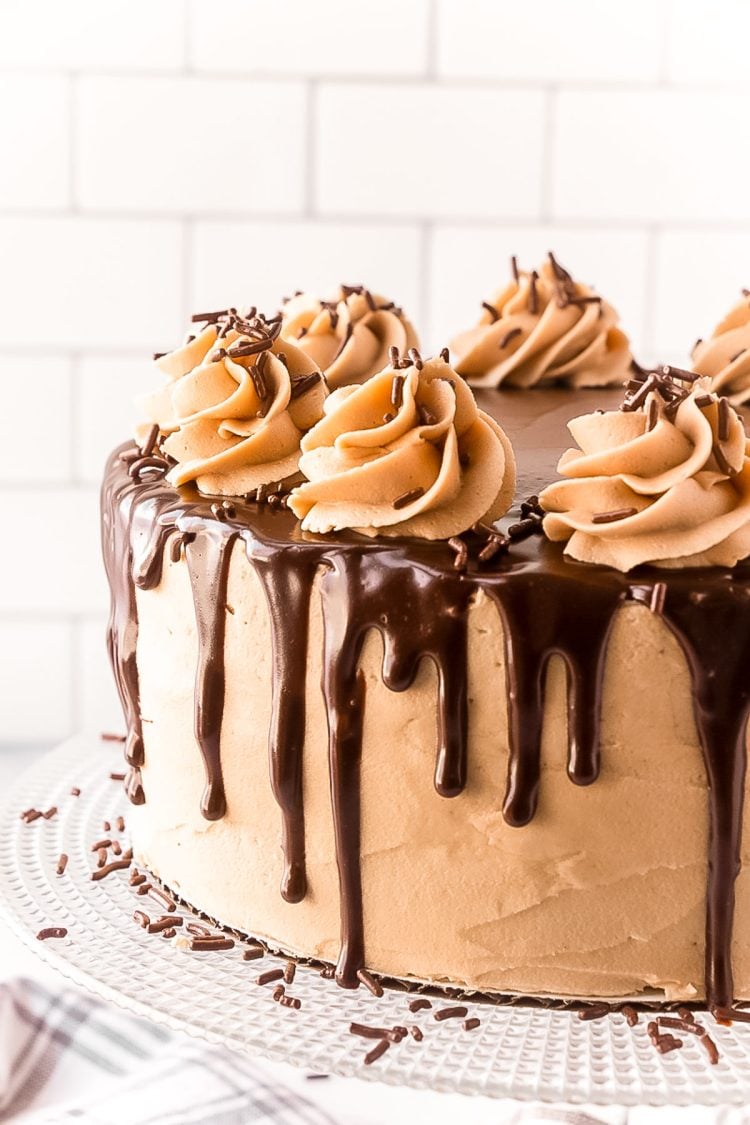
(524,1053)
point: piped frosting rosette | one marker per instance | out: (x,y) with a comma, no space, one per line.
(406,453)
(350,336)
(544,327)
(665,480)
(725,355)
(238,400)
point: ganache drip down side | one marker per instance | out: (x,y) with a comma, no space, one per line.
(411,594)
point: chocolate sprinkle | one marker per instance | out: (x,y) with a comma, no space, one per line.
(491,310)
(51,932)
(304,384)
(533,296)
(511,335)
(725,414)
(614,516)
(658,596)
(149,442)
(62,863)
(372,985)
(166,922)
(455,1012)
(211,944)
(270,975)
(116,865)
(736,1015)
(469,1025)
(419,1004)
(594,1012)
(377,1052)
(408,498)
(364,1031)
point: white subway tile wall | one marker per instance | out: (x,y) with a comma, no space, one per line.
(160,155)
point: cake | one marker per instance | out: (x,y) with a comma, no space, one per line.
(378,718)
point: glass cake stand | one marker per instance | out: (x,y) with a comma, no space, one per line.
(516,1052)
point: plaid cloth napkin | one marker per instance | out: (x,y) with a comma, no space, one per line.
(66,1057)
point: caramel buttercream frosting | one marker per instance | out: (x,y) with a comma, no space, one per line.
(406,453)
(349,336)
(664,480)
(238,401)
(544,327)
(725,355)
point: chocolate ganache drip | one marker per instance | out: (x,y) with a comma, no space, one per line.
(412,594)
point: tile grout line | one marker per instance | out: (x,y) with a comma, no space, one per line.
(370,218)
(310,165)
(665,32)
(188,68)
(546,194)
(431,40)
(72,119)
(74,413)
(595,85)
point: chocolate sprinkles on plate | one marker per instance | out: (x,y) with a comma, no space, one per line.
(455,1012)
(377,1052)
(372,985)
(51,932)
(211,944)
(270,975)
(419,1004)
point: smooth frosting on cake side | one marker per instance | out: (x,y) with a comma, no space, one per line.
(527,809)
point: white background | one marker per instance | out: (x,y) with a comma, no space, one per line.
(160,155)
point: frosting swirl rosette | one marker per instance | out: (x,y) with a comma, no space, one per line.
(544,327)
(725,355)
(406,453)
(350,336)
(665,480)
(238,400)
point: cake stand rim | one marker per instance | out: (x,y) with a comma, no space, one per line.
(86,751)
